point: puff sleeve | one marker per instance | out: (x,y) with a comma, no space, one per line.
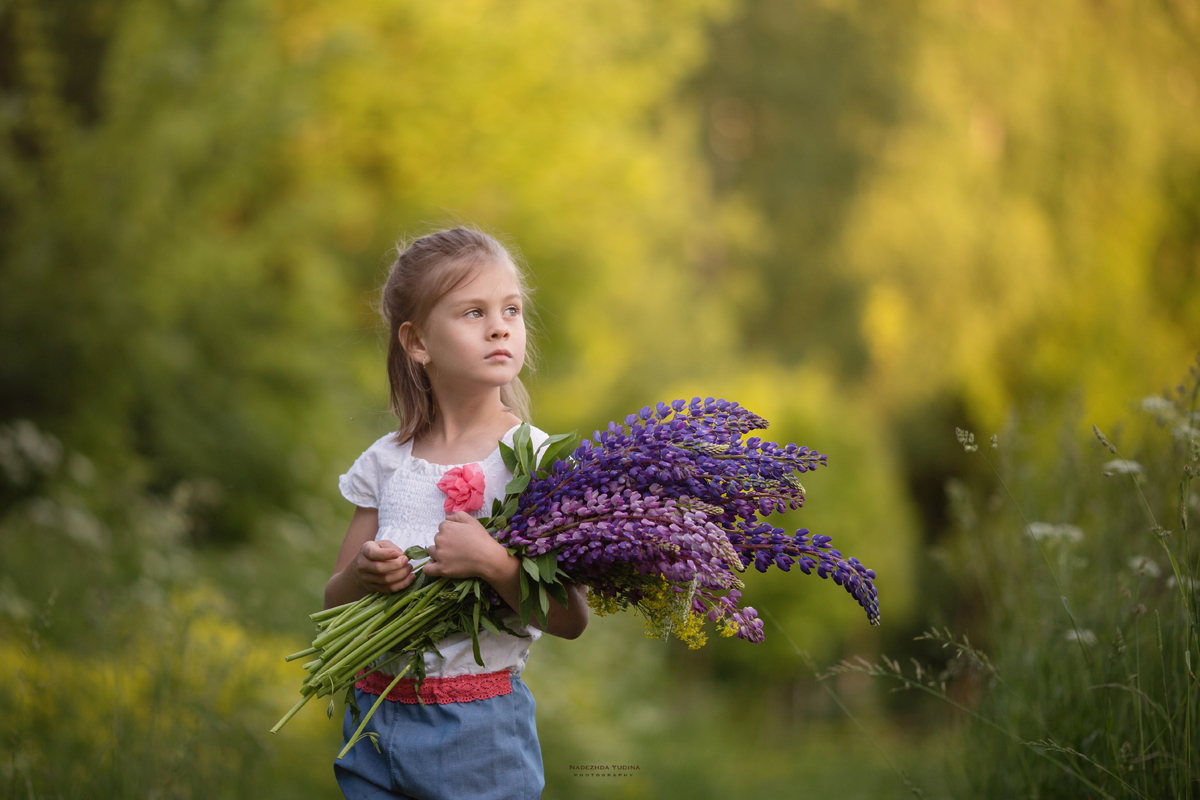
(363,483)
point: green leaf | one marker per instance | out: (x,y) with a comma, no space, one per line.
(524,586)
(352,701)
(548,567)
(531,567)
(526,605)
(559,592)
(416,552)
(478,595)
(555,448)
(501,624)
(523,447)
(510,508)
(543,600)
(517,484)
(488,625)
(475,636)
(509,456)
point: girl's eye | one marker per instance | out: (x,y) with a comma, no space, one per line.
(476,313)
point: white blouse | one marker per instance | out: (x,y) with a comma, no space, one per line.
(404,489)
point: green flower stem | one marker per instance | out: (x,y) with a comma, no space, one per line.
(339,612)
(301,654)
(351,630)
(363,724)
(388,640)
(291,713)
(347,621)
(347,635)
(379,667)
(384,634)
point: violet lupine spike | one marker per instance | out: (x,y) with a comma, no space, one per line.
(676,492)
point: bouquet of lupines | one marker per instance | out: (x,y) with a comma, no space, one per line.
(660,513)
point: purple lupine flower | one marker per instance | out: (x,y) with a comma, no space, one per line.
(675,492)
(749,626)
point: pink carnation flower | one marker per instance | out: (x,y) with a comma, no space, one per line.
(463,487)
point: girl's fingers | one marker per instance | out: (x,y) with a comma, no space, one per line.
(384,567)
(388,583)
(401,584)
(379,552)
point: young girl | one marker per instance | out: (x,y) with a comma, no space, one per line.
(454,302)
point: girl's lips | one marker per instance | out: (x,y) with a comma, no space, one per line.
(499,354)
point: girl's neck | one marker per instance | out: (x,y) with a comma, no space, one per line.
(465,429)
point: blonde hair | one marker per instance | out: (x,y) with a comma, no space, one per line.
(425,270)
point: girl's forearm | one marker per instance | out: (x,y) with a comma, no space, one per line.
(569,622)
(344,587)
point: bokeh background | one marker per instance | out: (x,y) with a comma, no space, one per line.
(871,223)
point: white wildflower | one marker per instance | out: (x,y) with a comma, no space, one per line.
(1158,405)
(1081,635)
(1188,583)
(1186,433)
(1141,565)
(84,528)
(1048,531)
(1123,466)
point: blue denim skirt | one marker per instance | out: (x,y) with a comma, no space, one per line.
(478,750)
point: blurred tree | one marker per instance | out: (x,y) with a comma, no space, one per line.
(1031,226)
(167,301)
(796,98)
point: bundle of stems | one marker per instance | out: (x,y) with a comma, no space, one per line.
(388,627)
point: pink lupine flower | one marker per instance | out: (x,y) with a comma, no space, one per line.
(463,487)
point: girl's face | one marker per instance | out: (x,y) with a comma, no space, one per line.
(476,333)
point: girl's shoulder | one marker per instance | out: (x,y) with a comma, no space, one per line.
(364,481)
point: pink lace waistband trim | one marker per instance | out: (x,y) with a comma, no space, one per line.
(459,689)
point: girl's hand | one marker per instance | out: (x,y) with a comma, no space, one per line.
(382,567)
(462,548)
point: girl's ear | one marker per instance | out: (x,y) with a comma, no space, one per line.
(410,340)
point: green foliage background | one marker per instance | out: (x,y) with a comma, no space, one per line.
(867,222)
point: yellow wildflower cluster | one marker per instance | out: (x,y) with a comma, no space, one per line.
(692,632)
(604,606)
(667,612)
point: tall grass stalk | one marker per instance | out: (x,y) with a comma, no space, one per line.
(1088,686)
